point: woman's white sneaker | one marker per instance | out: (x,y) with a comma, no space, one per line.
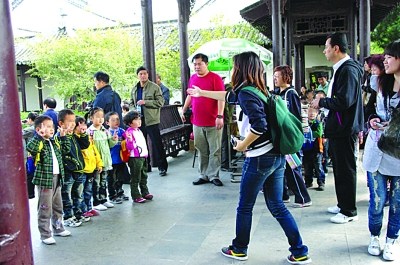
(374,247)
(390,250)
(342,219)
(334,209)
(49,241)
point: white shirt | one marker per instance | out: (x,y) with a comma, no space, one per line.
(335,67)
(56,166)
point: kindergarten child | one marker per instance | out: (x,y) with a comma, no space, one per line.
(312,151)
(136,143)
(103,141)
(93,167)
(49,176)
(115,176)
(72,188)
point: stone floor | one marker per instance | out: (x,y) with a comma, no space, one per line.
(187,224)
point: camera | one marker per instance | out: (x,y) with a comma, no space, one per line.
(234,141)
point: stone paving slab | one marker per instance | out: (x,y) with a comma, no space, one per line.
(187,224)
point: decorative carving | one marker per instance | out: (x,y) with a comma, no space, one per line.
(304,26)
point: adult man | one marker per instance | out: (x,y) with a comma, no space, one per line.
(106,97)
(208,120)
(148,100)
(323,83)
(49,105)
(343,109)
(164,89)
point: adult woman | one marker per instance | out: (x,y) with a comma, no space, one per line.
(382,168)
(263,166)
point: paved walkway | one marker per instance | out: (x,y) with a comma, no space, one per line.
(187,224)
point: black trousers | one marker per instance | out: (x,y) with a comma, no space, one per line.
(345,172)
(157,152)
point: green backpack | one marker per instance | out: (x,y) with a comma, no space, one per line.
(286,129)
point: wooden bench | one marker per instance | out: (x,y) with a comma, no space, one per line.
(174,133)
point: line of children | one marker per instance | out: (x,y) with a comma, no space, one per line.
(136,143)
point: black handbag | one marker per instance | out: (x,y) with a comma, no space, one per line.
(389,142)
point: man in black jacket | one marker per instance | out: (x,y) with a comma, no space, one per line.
(106,97)
(344,111)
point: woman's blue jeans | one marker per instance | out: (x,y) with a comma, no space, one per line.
(378,194)
(266,169)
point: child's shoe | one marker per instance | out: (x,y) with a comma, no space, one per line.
(72,222)
(108,204)
(148,196)
(140,200)
(116,200)
(84,219)
(390,250)
(63,233)
(100,207)
(299,260)
(88,214)
(374,247)
(230,253)
(94,212)
(49,241)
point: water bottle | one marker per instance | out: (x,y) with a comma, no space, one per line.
(139,109)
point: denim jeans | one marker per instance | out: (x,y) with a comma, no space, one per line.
(266,169)
(86,204)
(312,163)
(377,184)
(99,188)
(71,192)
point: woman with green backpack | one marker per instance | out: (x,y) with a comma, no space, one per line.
(264,165)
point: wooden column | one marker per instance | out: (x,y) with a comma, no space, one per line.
(288,35)
(353,31)
(148,38)
(184,12)
(40,91)
(23,87)
(15,238)
(276,31)
(365,28)
(299,69)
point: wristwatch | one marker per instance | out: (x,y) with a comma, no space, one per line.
(220,117)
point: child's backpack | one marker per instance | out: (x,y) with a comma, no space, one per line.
(286,129)
(124,153)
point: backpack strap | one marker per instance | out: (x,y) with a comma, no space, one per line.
(290,90)
(257,92)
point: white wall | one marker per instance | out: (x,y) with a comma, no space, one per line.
(32,96)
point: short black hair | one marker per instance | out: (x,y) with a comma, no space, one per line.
(32,116)
(322,74)
(40,119)
(50,103)
(79,120)
(94,111)
(125,107)
(320,92)
(130,116)
(101,76)
(141,68)
(339,39)
(109,114)
(64,113)
(201,56)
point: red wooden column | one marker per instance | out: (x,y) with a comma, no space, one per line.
(15,239)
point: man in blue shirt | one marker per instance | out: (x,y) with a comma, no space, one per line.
(49,104)
(164,89)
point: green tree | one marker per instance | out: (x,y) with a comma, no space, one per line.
(388,30)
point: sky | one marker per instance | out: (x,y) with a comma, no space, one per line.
(45,16)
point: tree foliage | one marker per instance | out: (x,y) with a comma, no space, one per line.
(388,30)
(69,62)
